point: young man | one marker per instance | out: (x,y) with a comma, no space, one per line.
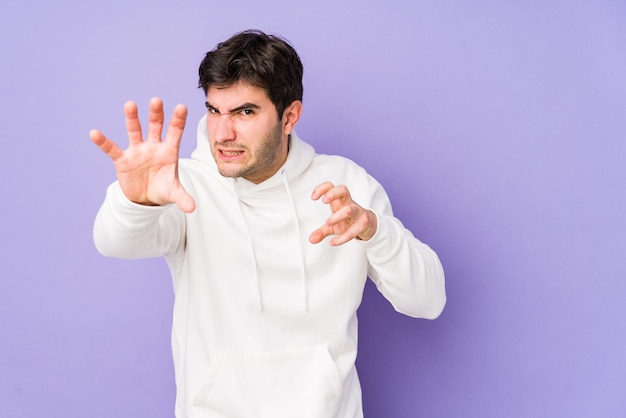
(269,244)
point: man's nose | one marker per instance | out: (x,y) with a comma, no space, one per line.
(224,128)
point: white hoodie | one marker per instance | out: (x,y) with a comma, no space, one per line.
(265,322)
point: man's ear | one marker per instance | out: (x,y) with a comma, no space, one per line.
(291,116)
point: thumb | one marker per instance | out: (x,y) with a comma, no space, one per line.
(183,200)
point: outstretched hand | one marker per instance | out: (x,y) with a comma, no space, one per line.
(148,170)
(347,221)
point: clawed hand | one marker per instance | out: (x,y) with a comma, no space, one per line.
(347,221)
(148,170)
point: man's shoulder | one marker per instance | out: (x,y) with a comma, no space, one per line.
(337,159)
(334,159)
(338,165)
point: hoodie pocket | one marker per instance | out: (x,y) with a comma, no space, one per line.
(302,382)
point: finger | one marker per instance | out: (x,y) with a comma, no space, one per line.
(350,234)
(155,120)
(343,214)
(331,227)
(133,127)
(177,126)
(339,193)
(107,146)
(321,189)
(319,234)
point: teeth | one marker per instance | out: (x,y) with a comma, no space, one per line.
(231,153)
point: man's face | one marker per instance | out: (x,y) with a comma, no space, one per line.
(247,139)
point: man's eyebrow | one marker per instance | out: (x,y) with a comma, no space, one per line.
(244,106)
(237,109)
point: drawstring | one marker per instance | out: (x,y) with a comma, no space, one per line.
(254,266)
(251,246)
(302,266)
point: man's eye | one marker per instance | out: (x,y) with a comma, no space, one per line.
(247,112)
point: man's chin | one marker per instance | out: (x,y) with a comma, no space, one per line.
(229,173)
(230,170)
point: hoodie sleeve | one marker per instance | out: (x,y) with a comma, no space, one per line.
(405,270)
(124,229)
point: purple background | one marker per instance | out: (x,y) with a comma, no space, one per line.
(497,127)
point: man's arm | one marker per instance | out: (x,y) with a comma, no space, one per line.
(137,219)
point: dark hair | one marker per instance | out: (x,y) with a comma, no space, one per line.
(257,59)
